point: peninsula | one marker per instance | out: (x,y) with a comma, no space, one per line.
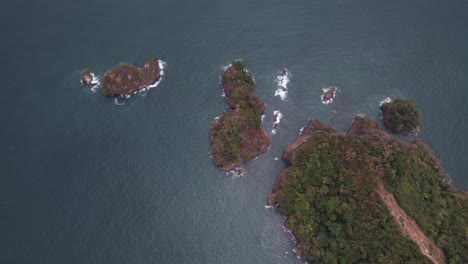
(401,116)
(237,136)
(366,197)
(126,79)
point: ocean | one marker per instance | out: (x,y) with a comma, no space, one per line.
(84,180)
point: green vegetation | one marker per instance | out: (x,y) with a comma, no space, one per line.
(329,197)
(151,59)
(237,135)
(104,90)
(417,181)
(124,64)
(401,116)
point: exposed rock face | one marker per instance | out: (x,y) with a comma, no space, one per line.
(401,116)
(237,136)
(126,79)
(87,78)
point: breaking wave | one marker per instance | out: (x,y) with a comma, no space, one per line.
(278,115)
(386,100)
(162,66)
(95,83)
(236,172)
(282,80)
(116,101)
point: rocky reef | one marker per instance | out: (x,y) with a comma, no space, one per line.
(126,79)
(401,116)
(87,78)
(237,135)
(329,95)
(366,197)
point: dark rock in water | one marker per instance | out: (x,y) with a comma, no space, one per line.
(330,94)
(126,79)
(87,78)
(285,72)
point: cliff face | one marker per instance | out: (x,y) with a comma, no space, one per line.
(126,79)
(237,136)
(360,195)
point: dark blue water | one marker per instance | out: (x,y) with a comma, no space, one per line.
(86,181)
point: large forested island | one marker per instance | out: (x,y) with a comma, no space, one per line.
(365,197)
(237,136)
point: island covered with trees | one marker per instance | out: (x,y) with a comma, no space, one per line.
(366,197)
(237,135)
(401,116)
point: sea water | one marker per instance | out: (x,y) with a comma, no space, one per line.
(84,180)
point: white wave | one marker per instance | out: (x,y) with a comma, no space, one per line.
(216,118)
(95,83)
(262,117)
(236,172)
(270,206)
(301,130)
(276,158)
(96,80)
(386,100)
(225,67)
(162,66)
(278,115)
(223,94)
(116,101)
(282,80)
(281,93)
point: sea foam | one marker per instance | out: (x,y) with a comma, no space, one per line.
(278,115)
(162,66)
(95,83)
(282,84)
(386,100)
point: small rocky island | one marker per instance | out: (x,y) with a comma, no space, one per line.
(237,136)
(329,94)
(126,79)
(401,116)
(87,78)
(366,197)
